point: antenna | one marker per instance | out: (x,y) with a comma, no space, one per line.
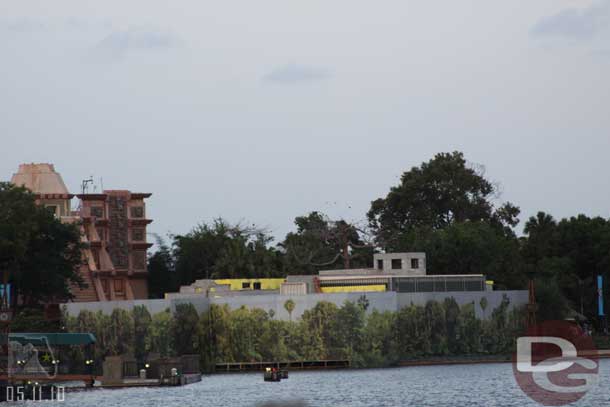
(85,184)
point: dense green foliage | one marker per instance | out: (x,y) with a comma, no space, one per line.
(569,254)
(321,243)
(33,320)
(445,208)
(41,253)
(221,250)
(323,332)
(161,275)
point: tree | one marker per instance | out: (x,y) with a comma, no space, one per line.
(378,339)
(142,322)
(452,325)
(552,304)
(363,302)
(473,248)
(542,235)
(348,330)
(273,341)
(33,320)
(324,332)
(158,339)
(469,329)
(122,333)
(289,306)
(317,322)
(411,332)
(221,250)
(320,242)
(185,329)
(439,193)
(570,253)
(42,253)
(161,271)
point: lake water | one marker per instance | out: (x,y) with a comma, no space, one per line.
(458,385)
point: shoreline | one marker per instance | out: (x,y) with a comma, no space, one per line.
(456,360)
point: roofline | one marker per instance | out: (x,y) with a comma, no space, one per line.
(91,197)
(366,277)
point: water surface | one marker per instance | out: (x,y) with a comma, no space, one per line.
(485,385)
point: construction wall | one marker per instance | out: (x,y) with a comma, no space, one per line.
(381,301)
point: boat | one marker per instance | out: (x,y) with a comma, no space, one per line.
(272,375)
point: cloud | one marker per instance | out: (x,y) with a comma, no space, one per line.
(574,23)
(24,25)
(292,74)
(118,44)
(601,54)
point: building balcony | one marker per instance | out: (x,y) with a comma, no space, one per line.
(139,222)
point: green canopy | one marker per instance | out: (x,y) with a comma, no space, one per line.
(53,339)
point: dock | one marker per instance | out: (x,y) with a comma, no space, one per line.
(181,380)
(294,365)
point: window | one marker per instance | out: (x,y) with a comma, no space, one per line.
(138,260)
(137,235)
(118,286)
(137,211)
(380,264)
(257,286)
(414,263)
(97,211)
(245,285)
(396,264)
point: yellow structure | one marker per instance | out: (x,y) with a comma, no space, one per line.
(237,284)
(354,288)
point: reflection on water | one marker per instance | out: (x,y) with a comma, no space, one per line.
(463,385)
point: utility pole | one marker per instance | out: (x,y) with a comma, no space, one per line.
(532,307)
(344,229)
(346,264)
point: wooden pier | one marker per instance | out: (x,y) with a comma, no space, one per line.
(296,365)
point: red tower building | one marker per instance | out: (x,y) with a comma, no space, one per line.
(113,227)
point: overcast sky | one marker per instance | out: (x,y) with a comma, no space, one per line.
(264,110)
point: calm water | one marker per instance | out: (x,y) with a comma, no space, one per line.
(466,385)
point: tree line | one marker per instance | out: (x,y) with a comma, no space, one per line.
(446,208)
(325,332)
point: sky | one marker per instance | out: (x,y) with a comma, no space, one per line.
(261,111)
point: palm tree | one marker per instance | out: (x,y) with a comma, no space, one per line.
(541,231)
(289,305)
